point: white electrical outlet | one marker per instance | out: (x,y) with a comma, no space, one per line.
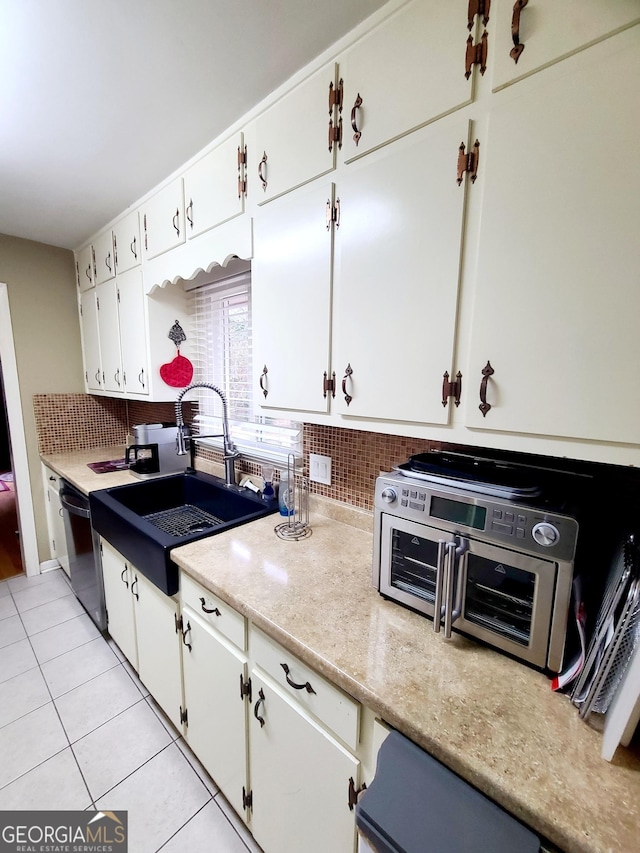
(320,468)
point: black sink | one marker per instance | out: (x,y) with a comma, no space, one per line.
(145,520)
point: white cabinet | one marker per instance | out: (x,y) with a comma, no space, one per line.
(398,250)
(291,299)
(549,30)
(158,635)
(292,145)
(133,332)
(104,258)
(126,242)
(389,74)
(556,296)
(109,332)
(118,576)
(163,220)
(55,518)
(144,623)
(90,340)
(84,268)
(303,736)
(216,688)
(214,187)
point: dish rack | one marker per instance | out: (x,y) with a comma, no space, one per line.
(616,637)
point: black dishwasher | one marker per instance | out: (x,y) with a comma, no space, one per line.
(416,805)
(83,546)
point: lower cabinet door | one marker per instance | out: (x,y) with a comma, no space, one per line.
(299,778)
(159,657)
(118,578)
(216,732)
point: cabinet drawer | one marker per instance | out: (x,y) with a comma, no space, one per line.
(222,617)
(334,708)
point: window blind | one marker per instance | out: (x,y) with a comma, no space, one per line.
(222,356)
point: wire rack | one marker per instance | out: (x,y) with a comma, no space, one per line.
(183,520)
(296,526)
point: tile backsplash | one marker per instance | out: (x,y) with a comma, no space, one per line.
(67,422)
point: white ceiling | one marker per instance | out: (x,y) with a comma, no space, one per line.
(102,99)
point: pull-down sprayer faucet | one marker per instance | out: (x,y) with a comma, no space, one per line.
(230,452)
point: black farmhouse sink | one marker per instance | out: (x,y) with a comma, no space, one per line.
(145,520)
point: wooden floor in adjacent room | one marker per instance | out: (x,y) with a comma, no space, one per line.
(10,556)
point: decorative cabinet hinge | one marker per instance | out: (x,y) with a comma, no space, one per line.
(468,162)
(480,8)
(93,258)
(144,225)
(247,799)
(335,109)
(78,274)
(184,716)
(242,175)
(245,688)
(115,252)
(332,214)
(118,295)
(476,55)
(178,623)
(329,385)
(354,792)
(451,389)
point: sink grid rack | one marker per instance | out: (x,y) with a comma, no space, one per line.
(182,520)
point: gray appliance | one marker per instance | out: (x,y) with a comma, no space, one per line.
(154,452)
(417,805)
(83,546)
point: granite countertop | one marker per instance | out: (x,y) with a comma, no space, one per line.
(492,720)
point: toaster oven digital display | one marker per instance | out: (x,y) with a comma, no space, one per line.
(470,515)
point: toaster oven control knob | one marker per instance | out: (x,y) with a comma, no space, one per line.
(545,534)
(389,496)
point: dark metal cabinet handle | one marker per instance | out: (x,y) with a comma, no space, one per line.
(518,47)
(176,222)
(262,381)
(487,371)
(206,609)
(189,213)
(107,262)
(262,171)
(257,707)
(98,376)
(87,272)
(132,247)
(306,686)
(122,577)
(141,378)
(186,631)
(135,582)
(116,377)
(356,106)
(347,375)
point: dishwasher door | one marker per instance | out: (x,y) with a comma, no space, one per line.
(83,547)
(417,805)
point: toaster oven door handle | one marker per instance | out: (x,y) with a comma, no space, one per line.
(440,572)
(449,562)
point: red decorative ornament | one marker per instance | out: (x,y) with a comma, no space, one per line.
(177,373)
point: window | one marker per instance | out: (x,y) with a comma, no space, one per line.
(221,312)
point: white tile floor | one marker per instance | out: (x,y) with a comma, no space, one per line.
(79,730)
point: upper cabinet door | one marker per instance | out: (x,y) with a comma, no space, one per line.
(163,220)
(406,72)
(126,242)
(213,189)
(292,137)
(91,340)
(107,298)
(105,266)
(84,261)
(557,301)
(530,34)
(133,333)
(398,251)
(291,300)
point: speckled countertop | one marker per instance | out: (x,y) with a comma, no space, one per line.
(494,721)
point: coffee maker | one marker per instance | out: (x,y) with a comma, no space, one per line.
(154,451)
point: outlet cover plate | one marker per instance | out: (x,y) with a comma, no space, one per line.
(320,468)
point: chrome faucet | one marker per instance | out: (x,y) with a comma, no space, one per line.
(230,453)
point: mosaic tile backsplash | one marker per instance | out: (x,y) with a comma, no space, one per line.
(67,422)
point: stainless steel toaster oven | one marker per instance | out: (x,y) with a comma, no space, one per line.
(491,566)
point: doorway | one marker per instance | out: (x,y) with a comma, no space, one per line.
(10,553)
(20,487)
